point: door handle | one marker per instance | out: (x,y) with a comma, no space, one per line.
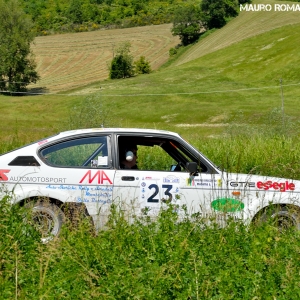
(127,178)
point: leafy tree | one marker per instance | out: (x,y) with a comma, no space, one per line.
(142,66)
(187,24)
(122,63)
(75,11)
(216,13)
(245,1)
(17,67)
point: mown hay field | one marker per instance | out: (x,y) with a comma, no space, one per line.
(68,61)
(248,24)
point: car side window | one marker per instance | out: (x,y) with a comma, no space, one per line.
(157,154)
(88,152)
(154,158)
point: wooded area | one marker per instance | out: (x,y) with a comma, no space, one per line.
(84,15)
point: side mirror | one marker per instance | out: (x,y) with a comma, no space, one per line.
(192,167)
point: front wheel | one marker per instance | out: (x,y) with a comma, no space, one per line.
(48,219)
(282,217)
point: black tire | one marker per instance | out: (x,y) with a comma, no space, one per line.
(48,218)
(282,217)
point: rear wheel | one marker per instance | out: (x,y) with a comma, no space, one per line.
(282,217)
(48,219)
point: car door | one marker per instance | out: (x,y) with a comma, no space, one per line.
(162,177)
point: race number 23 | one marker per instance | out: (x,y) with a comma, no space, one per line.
(154,198)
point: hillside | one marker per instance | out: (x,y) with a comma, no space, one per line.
(246,25)
(236,85)
(72,60)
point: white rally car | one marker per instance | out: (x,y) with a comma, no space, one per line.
(83,168)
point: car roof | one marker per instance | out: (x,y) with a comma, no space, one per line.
(115,130)
(89,131)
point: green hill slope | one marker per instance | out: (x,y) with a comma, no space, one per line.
(247,24)
(236,85)
(255,61)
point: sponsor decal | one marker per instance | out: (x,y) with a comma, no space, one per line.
(204,182)
(242,184)
(93,200)
(190,182)
(171,179)
(42,142)
(100,177)
(281,186)
(33,179)
(86,189)
(88,194)
(61,187)
(3,176)
(150,178)
(227,205)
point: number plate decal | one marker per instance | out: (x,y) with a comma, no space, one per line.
(155,191)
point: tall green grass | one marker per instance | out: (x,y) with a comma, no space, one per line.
(165,259)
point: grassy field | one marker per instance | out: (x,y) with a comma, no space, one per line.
(229,102)
(239,84)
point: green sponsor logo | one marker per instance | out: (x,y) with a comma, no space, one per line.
(227,205)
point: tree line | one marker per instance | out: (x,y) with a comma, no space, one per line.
(51,16)
(192,20)
(22,20)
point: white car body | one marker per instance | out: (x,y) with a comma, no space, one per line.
(38,171)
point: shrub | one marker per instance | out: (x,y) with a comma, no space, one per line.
(172,52)
(142,66)
(122,64)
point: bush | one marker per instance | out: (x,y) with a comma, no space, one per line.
(122,64)
(172,52)
(142,66)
